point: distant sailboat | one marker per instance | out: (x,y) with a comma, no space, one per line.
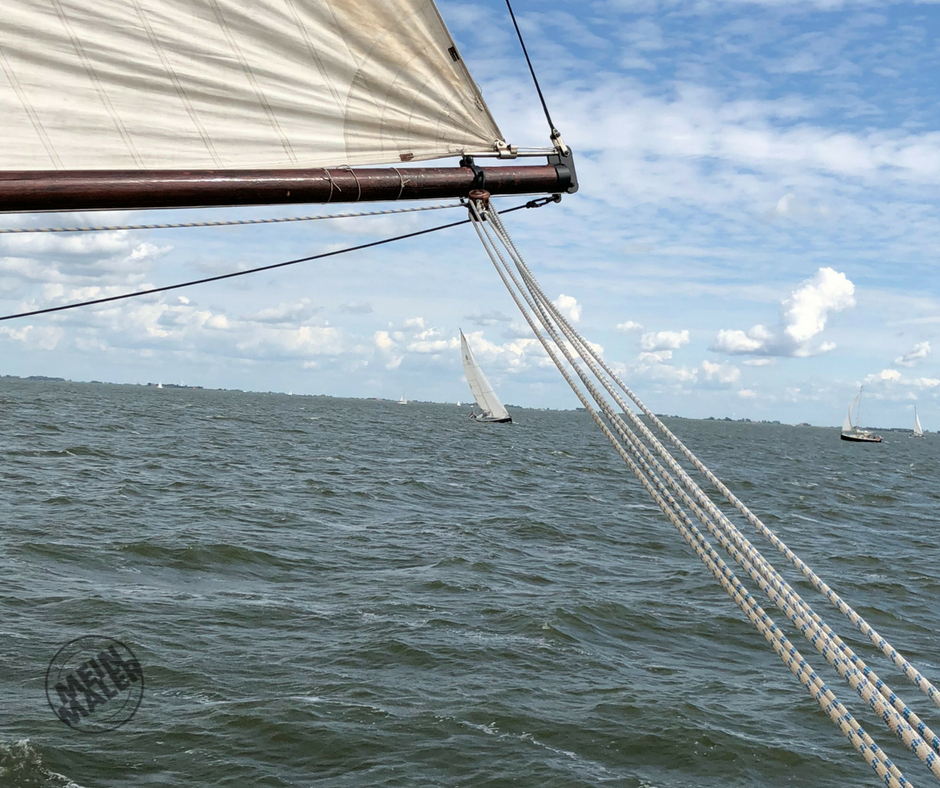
(918,430)
(492,409)
(852,432)
(403,401)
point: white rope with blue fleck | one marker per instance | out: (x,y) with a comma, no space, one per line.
(591,357)
(229,223)
(866,684)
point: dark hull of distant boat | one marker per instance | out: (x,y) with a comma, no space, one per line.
(860,438)
(485,420)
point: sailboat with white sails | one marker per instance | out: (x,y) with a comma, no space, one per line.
(918,430)
(493,411)
(111,105)
(851,430)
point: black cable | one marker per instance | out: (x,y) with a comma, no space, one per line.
(532,72)
(530,204)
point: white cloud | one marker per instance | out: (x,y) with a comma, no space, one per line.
(806,310)
(885,375)
(388,348)
(432,341)
(746,393)
(285,312)
(664,340)
(569,307)
(890,384)
(722,373)
(488,318)
(657,358)
(803,317)
(734,341)
(919,352)
(41,338)
(629,327)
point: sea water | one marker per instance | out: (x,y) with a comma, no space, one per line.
(346,592)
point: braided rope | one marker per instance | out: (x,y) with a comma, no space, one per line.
(667,504)
(862,679)
(589,356)
(232,223)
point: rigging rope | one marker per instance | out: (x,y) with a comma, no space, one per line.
(538,203)
(555,134)
(230,223)
(639,447)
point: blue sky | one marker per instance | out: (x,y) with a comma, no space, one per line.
(756,232)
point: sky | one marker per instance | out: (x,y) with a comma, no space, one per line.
(755,234)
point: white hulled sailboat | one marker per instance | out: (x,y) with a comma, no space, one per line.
(918,430)
(493,411)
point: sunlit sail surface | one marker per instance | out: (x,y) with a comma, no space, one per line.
(222,84)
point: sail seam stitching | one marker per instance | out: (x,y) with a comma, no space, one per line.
(177,83)
(99,88)
(259,93)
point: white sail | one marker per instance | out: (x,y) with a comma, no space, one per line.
(918,430)
(480,387)
(847,424)
(232,84)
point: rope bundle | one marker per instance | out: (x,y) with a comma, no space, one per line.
(680,498)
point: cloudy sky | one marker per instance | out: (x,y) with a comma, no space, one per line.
(755,234)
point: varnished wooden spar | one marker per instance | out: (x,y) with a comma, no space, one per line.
(122,190)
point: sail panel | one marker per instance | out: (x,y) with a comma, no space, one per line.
(847,424)
(225,84)
(480,387)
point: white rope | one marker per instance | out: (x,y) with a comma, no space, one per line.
(862,679)
(652,474)
(588,352)
(232,223)
(862,684)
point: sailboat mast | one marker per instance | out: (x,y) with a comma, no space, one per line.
(120,189)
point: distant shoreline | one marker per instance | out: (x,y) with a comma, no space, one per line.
(770,422)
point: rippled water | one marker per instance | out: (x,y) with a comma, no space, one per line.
(355,593)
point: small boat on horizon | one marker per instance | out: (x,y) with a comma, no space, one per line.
(493,411)
(403,401)
(852,432)
(918,430)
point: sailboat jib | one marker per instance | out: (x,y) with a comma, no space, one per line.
(918,430)
(225,84)
(847,424)
(483,393)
